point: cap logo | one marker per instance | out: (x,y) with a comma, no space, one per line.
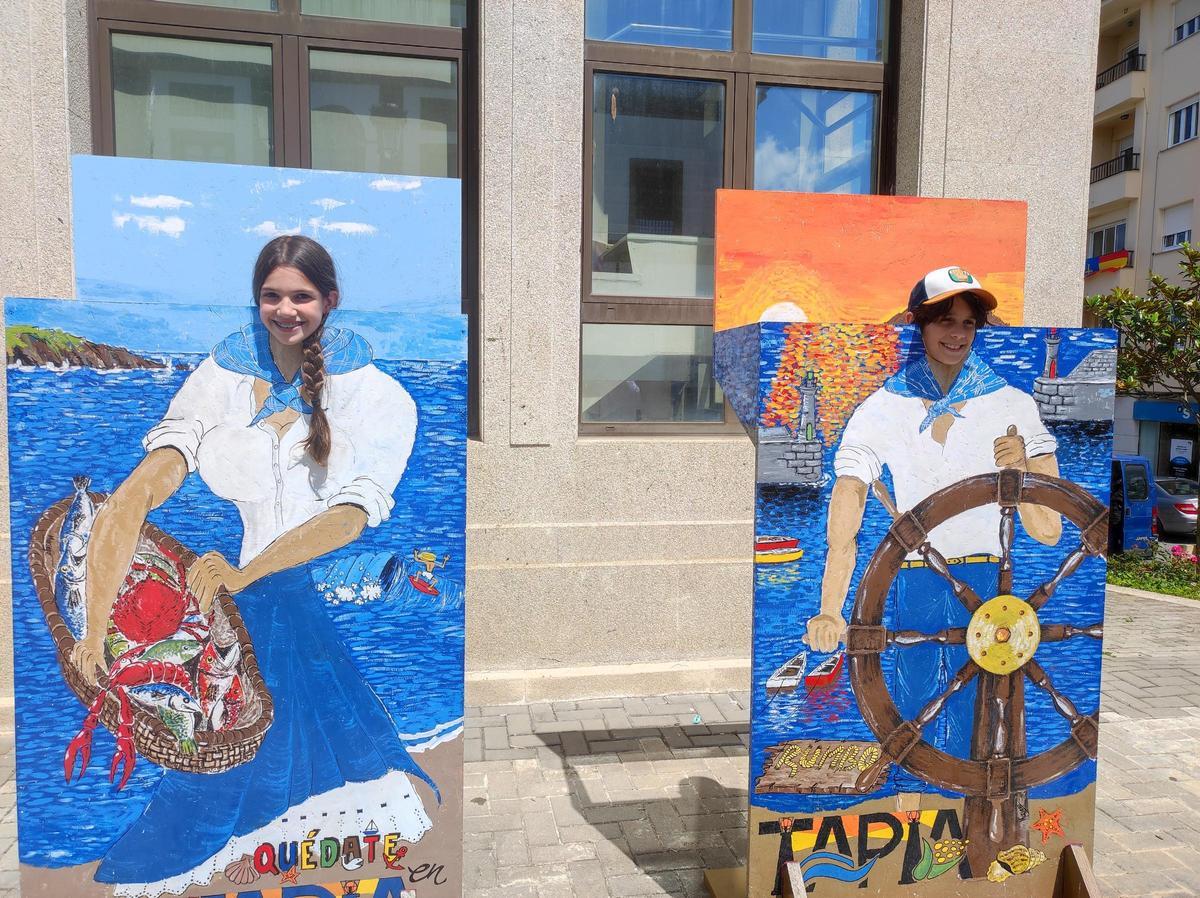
(959,276)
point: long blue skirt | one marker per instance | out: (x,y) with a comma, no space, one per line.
(329,729)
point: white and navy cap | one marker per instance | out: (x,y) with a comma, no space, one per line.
(943,283)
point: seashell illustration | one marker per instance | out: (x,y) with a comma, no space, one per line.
(241,872)
(1013,862)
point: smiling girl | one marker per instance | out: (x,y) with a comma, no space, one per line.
(290,421)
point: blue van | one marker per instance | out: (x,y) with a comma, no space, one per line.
(1131,507)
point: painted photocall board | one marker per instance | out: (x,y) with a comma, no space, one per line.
(928,604)
(848,258)
(304,733)
(195,229)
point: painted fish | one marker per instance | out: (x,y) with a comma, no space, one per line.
(216,675)
(175,707)
(176,650)
(70,579)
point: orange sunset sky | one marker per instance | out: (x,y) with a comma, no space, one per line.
(854,259)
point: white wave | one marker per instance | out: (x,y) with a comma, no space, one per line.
(447,736)
(457,722)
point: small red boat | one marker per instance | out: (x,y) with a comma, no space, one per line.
(771,543)
(425,586)
(825,672)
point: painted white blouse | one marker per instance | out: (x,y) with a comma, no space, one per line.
(271,479)
(885,432)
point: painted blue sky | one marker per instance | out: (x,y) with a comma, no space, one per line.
(186,232)
(169,328)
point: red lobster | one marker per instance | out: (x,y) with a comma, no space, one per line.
(134,673)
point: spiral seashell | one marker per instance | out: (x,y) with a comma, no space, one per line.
(241,872)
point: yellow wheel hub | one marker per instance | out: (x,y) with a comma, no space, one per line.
(1003,634)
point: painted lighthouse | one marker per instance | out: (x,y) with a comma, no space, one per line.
(791,453)
(1086,394)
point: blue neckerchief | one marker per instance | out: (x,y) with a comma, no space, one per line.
(916,379)
(248,351)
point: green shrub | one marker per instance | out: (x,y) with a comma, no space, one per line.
(1173,571)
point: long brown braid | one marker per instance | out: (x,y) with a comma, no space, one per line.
(312,381)
(314,262)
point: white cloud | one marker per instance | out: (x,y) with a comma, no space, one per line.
(271,229)
(171,226)
(327,203)
(161,201)
(291,182)
(350,228)
(781,169)
(396,184)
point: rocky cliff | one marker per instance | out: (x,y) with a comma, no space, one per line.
(43,347)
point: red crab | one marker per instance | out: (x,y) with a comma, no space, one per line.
(156,605)
(120,680)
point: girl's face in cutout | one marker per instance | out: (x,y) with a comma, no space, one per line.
(291,307)
(948,339)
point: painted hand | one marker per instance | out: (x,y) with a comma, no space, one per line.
(211,573)
(88,657)
(825,631)
(1010,450)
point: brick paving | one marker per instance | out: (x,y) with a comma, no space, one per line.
(637,796)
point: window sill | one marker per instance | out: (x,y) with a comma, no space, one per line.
(1181,143)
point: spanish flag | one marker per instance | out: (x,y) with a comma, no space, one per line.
(1122,258)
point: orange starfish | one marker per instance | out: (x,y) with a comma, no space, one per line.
(289,877)
(1049,824)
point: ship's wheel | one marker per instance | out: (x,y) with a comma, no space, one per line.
(1002,640)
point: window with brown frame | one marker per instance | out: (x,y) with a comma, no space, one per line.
(350,85)
(679,101)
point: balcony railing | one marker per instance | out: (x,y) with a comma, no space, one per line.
(1127,161)
(1133,62)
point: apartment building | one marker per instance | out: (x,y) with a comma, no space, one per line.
(1145,180)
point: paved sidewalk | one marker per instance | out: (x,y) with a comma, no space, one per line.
(627,797)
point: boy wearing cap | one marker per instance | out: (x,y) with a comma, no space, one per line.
(944,417)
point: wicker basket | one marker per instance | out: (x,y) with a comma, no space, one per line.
(216,752)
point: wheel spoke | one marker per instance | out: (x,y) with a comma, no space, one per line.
(935,706)
(949,636)
(1038,676)
(901,740)
(1008,532)
(1070,564)
(1059,632)
(937,563)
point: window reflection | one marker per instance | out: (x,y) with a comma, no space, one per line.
(390,114)
(658,155)
(640,372)
(826,29)
(700,24)
(817,141)
(451,13)
(206,101)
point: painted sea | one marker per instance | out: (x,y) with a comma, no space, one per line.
(786,595)
(408,645)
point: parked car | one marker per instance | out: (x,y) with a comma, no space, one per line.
(1175,504)
(1131,507)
